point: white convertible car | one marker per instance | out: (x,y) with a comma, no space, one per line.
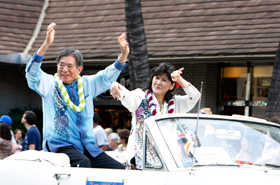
(212,150)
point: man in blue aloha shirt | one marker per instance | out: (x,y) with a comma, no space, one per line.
(68,102)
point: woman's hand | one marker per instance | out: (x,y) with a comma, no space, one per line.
(176,74)
(176,77)
(116,90)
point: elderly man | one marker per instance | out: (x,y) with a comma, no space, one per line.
(113,142)
(68,102)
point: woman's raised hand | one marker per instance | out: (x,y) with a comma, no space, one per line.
(176,74)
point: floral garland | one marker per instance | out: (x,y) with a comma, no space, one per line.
(65,95)
(152,105)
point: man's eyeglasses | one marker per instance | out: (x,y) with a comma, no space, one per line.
(69,66)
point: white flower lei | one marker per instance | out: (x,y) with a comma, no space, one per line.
(66,97)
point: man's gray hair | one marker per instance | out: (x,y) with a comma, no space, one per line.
(113,136)
(71,51)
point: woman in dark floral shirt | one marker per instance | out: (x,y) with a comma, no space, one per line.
(5,141)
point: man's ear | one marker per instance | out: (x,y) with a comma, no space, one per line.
(80,69)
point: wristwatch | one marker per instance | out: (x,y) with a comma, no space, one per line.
(122,62)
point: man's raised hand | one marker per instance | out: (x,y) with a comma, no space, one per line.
(50,34)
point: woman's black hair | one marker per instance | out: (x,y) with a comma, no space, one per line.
(5,132)
(162,68)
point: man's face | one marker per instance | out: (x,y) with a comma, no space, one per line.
(23,118)
(67,69)
(112,143)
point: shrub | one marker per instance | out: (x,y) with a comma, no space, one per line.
(16,115)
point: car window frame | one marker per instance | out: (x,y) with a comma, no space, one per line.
(147,133)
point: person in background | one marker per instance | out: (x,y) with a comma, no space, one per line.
(275,119)
(100,134)
(108,131)
(32,139)
(18,136)
(113,142)
(123,139)
(68,102)
(5,141)
(205,110)
(8,120)
(155,99)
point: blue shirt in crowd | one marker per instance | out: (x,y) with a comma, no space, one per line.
(32,136)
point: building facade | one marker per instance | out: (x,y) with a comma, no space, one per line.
(230,46)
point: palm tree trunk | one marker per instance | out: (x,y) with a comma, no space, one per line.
(138,57)
(273,102)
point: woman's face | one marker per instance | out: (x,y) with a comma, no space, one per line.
(18,135)
(246,145)
(121,140)
(161,84)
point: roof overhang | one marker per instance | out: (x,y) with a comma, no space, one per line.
(15,58)
(187,59)
(214,59)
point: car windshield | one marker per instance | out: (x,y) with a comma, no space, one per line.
(221,142)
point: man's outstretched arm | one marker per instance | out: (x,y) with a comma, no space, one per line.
(49,40)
